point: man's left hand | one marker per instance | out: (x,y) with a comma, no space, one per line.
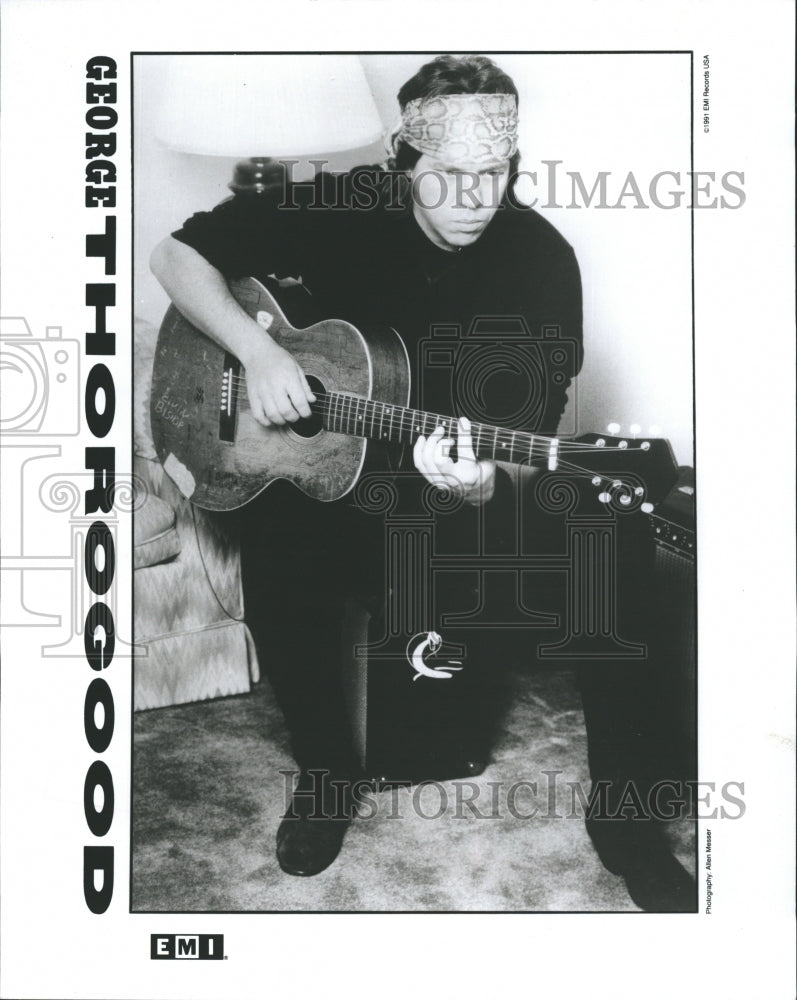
(473,479)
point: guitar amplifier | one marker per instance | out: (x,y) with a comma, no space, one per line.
(403,732)
(673,524)
(440,728)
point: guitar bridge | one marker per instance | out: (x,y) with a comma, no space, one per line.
(230,387)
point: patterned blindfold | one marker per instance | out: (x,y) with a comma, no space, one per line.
(471,128)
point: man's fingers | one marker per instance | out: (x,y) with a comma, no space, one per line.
(273,407)
(309,395)
(274,416)
(436,451)
(288,412)
(431,459)
(465,441)
(258,410)
(443,460)
(279,408)
(419,456)
(424,456)
(298,399)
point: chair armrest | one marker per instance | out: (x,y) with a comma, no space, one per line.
(155,536)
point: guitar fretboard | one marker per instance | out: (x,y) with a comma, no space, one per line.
(345,413)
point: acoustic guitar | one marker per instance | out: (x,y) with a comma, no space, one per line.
(220,457)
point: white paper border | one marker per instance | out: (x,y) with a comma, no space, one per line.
(744,313)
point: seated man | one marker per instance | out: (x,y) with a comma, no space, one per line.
(447,246)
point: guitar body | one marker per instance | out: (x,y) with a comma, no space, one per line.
(209,443)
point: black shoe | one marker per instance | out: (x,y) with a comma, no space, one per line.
(311,833)
(636,851)
(660,884)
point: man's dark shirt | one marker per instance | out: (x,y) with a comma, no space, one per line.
(519,282)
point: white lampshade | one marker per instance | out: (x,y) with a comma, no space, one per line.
(273,105)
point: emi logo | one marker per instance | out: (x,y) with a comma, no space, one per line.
(196,946)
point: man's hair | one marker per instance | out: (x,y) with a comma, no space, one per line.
(452,75)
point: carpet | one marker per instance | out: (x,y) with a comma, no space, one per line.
(208,796)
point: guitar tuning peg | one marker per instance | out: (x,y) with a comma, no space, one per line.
(654,430)
(613,428)
(634,429)
(646,508)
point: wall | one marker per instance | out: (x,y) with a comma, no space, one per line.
(593,112)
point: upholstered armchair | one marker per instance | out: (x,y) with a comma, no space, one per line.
(188,610)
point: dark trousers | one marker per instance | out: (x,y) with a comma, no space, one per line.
(302,560)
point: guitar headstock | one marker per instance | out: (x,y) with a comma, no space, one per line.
(629,472)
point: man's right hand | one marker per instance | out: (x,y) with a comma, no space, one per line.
(278,390)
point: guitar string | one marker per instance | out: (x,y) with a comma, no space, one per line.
(409,415)
(408,423)
(505,437)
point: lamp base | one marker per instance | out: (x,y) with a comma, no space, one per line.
(257,175)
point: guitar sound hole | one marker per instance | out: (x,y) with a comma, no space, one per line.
(308,427)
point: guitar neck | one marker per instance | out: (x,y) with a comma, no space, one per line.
(348,414)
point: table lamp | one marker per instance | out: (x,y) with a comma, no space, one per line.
(261,107)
